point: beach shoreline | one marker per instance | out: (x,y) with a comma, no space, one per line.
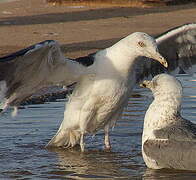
(82,30)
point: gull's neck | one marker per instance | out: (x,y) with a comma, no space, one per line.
(169,101)
(122,57)
(163,110)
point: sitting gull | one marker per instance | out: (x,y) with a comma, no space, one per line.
(98,76)
(168,140)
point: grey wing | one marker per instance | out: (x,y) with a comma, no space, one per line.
(178,46)
(184,130)
(30,69)
(171,153)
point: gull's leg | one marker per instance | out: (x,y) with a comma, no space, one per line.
(107,138)
(82,144)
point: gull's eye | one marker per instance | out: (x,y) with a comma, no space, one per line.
(141,44)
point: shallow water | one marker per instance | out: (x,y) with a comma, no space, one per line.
(23,154)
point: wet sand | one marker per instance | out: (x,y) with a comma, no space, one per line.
(82,30)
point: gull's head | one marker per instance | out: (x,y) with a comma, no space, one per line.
(144,45)
(164,84)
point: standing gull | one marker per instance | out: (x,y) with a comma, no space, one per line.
(168,140)
(98,76)
(102,89)
(98,99)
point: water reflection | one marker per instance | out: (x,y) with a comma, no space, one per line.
(97,164)
(168,174)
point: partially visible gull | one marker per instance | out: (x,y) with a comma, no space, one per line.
(168,140)
(110,73)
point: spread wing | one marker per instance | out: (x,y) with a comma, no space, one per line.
(171,153)
(30,69)
(178,46)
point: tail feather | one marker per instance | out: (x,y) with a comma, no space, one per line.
(65,138)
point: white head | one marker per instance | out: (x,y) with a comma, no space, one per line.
(141,44)
(164,84)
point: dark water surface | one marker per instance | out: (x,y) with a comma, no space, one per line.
(23,154)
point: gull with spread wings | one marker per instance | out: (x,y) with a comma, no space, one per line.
(104,79)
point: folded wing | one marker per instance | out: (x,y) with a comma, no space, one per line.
(171,153)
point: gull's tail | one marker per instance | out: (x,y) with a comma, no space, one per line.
(65,138)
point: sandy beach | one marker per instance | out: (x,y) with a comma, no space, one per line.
(82,30)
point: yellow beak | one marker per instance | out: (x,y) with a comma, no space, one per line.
(159,58)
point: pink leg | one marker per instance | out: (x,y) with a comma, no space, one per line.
(82,142)
(107,138)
